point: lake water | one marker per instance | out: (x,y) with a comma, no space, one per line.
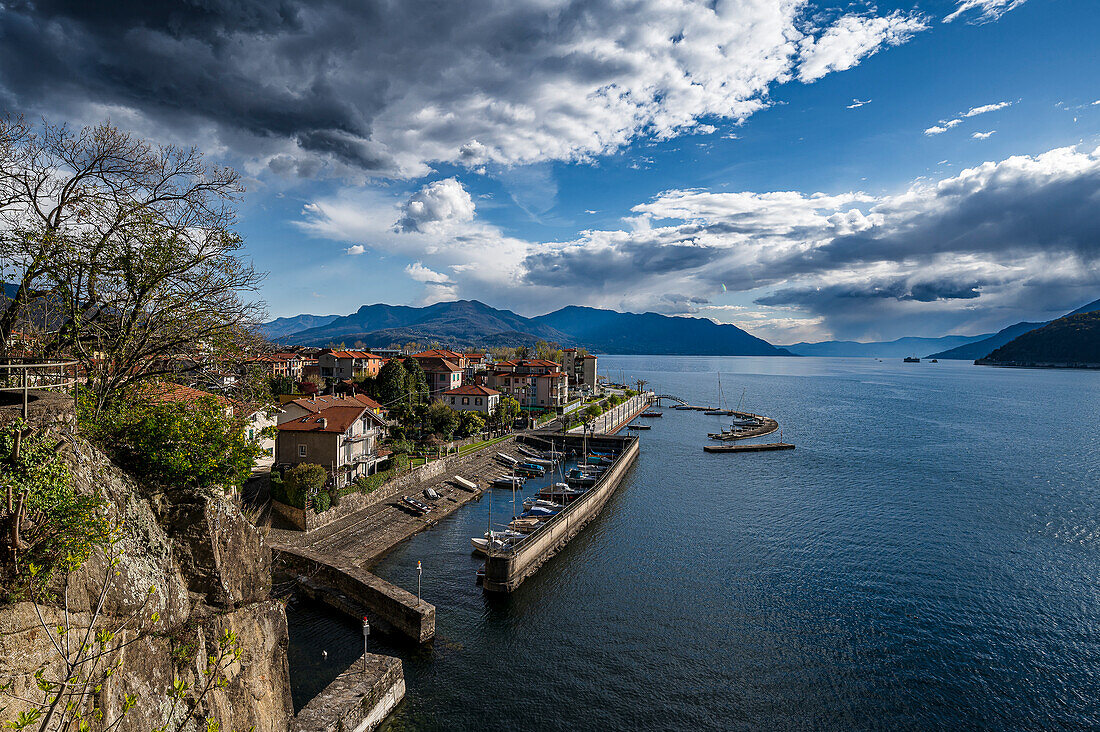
(927,558)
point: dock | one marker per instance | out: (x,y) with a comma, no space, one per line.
(765,447)
(506,569)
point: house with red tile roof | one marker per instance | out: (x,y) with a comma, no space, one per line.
(334,364)
(345,438)
(472,398)
(534,382)
(443,375)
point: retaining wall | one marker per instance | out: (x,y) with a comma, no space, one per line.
(362,592)
(308,520)
(359,700)
(504,572)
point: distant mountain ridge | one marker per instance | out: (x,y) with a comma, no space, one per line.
(285,326)
(982,348)
(1072,341)
(900,348)
(470,323)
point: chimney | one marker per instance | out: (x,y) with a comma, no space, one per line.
(323,422)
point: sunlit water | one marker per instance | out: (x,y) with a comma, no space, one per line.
(928,557)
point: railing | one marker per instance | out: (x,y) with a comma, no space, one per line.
(19,374)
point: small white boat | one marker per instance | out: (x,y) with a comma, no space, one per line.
(431,494)
(507,481)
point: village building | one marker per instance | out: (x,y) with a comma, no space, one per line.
(344,439)
(443,374)
(581,369)
(334,364)
(534,382)
(472,398)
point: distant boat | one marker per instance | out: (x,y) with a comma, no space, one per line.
(495,540)
(507,481)
(415,506)
(525,525)
(910,359)
(431,494)
(638,427)
(651,414)
(935,360)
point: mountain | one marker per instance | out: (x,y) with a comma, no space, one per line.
(461,324)
(899,348)
(1070,341)
(608,331)
(982,348)
(469,323)
(286,326)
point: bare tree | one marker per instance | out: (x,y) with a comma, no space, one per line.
(130,246)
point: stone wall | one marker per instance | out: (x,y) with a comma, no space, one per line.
(308,520)
(359,700)
(210,570)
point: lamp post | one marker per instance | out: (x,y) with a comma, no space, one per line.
(366,634)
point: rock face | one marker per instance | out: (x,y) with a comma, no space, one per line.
(210,571)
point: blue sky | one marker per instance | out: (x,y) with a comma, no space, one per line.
(771,163)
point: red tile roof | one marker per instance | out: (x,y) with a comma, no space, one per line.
(354,354)
(471,390)
(163,392)
(438,353)
(332,419)
(325,401)
(435,365)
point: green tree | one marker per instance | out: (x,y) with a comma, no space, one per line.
(441,419)
(391,383)
(280,385)
(302,481)
(471,424)
(416,384)
(506,411)
(174,444)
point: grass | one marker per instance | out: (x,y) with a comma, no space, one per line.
(474,447)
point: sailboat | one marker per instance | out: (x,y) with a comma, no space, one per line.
(721,411)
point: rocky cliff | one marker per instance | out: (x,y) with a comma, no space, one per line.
(209,570)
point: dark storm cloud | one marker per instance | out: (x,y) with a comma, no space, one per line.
(839,296)
(636,259)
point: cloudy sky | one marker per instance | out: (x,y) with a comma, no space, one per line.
(805,170)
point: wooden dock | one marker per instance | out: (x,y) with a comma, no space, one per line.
(765,447)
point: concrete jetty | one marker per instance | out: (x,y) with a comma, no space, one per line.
(358,700)
(766,447)
(506,569)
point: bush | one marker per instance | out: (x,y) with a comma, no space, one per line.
(321,502)
(176,444)
(298,483)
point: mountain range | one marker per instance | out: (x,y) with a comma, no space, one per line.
(984,346)
(900,348)
(469,323)
(1070,341)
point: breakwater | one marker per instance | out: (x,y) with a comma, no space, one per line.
(506,569)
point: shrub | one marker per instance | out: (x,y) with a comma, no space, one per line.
(298,483)
(321,502)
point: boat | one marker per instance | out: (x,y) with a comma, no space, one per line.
(463,483)
(651,414)
(764,447)
(935,360)
(541,469)
(577,478)
(529,503)
(910,359)
(495,540)
(525,525)
(540,512)
(507,459)
(746,422)
(507,481)
(532,471)
(431,494)
(559,494)
(418,507)
(638,427)
(720,410)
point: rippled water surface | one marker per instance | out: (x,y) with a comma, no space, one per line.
(928,557)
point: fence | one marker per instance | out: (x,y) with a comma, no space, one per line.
(22,375)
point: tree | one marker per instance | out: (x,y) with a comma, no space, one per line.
(548,351)
(471,424)
(416,382)
(506,411)
(278,385)
(441,419)
(130,248)
(391,383)
(176,444)
(303,481)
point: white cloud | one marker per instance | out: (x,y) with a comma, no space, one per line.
(853,38)
(985,108)
(355,249)
(420,273)
(705,129)
(856,103)
(942,127)
(437,204)
(983,135)
(987,10)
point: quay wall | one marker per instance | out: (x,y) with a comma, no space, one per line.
(308,520)
(358,700)
(362,592)
(505,571)
(614,418)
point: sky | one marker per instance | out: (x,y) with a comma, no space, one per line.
(804,170)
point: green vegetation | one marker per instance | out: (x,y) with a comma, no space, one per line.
(296,485)
(172,444)
(50,527)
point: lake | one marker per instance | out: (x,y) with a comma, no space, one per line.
(928,557)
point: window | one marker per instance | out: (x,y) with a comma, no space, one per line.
(452,400)
(477,401)
(465,400)
(301,451)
